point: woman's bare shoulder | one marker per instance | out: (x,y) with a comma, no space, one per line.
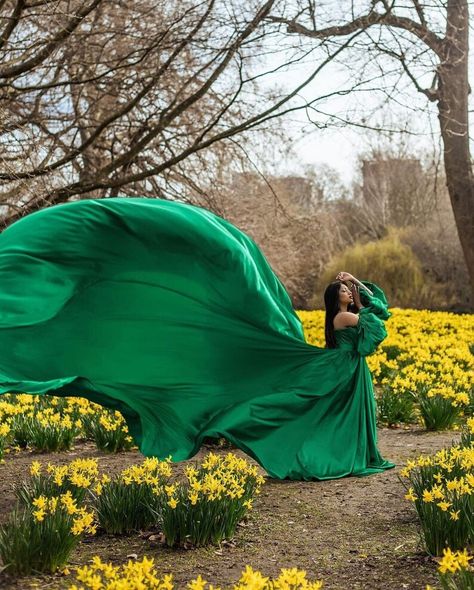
(344,319)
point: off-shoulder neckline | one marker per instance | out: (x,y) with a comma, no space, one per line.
(345,328)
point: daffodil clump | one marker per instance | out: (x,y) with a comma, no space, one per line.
(204,508)
(4,437)
(82,521)
(423,370)
(207,507)
(141,575)
(454,571)
(108,430)
(289,579)
(51,423)
(125,502)
(41,536)
(441,486)
(38,423)
(75,477)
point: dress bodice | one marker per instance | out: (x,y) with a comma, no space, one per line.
(346,338)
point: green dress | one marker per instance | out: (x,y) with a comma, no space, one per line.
(173,316)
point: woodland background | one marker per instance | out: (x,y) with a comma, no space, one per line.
(198,101)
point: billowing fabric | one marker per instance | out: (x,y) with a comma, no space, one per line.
(173,316)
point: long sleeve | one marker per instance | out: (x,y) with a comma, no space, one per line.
(370,332)
(376,303)
(371,329)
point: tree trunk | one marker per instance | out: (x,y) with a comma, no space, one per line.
(453,116)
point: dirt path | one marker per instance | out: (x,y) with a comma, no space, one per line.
(351,533)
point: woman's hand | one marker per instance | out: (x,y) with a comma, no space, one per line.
(344,276)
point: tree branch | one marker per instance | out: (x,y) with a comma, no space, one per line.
(63,193)
(48,49)
(14,19)
(420,11)
(364,22)
(41,171)
(186,103)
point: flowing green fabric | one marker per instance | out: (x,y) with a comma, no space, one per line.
(172,315)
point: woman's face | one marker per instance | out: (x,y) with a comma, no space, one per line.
(345,295)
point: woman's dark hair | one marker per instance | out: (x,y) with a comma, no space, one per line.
(331,302)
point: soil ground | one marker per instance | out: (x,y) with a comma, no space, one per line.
(354,532)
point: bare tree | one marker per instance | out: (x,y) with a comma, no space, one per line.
(103,98)
(421,37)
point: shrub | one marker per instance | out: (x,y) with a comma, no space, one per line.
(389,263)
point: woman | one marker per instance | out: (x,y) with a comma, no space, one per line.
(173,316)
(351,326)
(342,304)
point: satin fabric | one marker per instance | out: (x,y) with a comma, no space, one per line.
(172,315)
